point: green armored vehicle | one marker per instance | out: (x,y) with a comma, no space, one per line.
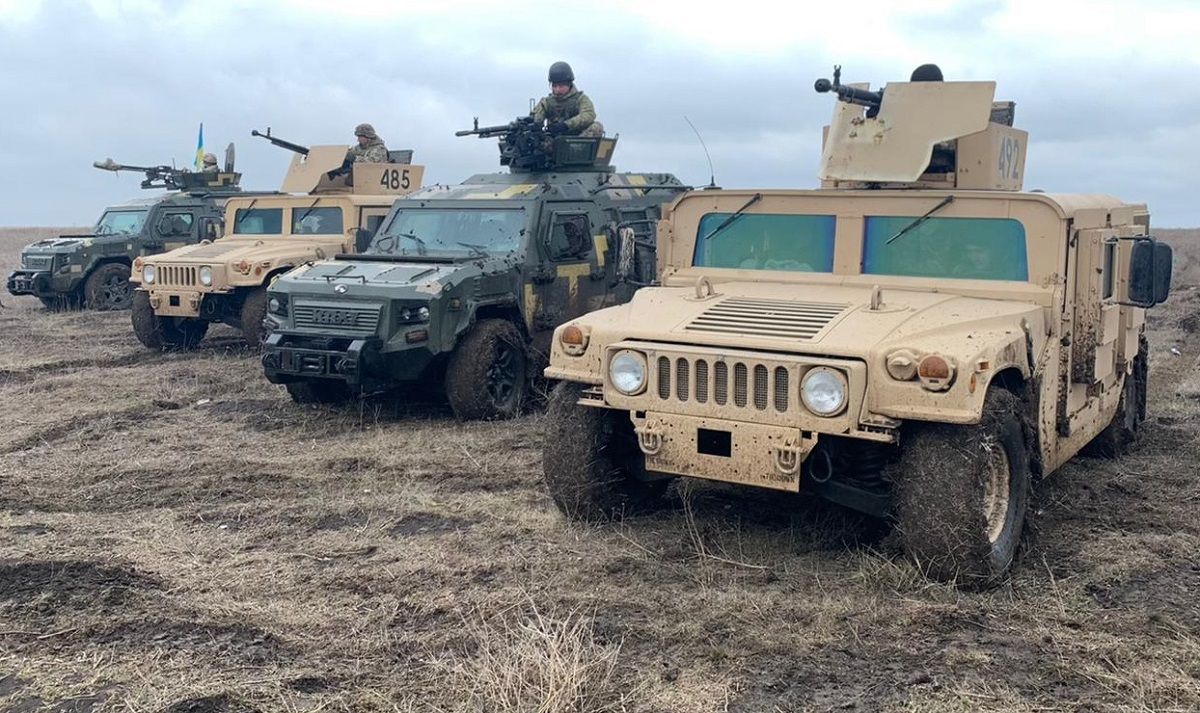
(463,285)
(92,269)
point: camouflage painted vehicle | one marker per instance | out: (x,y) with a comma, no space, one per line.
(92,269)
(463,284)
(918,338)
(180,293)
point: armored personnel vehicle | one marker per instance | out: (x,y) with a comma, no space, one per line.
(918,338)
(462,285)
(92,269)
(325,208)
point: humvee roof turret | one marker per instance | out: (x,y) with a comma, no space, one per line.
(915,339)
(338,208)
(463,284)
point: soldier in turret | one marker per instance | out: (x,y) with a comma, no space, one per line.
(370,148)
(210,164)
(567,110)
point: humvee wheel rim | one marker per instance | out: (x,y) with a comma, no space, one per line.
(995,495)
(502,375)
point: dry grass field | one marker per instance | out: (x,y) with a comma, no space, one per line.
(177,536)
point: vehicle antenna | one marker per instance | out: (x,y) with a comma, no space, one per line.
(712,176)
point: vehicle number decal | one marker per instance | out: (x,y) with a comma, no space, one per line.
(395,179)
(1010,151)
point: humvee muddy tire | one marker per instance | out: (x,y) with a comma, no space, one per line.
(961,494)
(318,391)
(486,375)
(593,467)
(1122,431)
(164,332)
(253,315)
(108,288)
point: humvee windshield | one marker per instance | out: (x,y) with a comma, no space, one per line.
(316,221)
(457,231)
(120,221)
(258,221)
(963,248)
(795,243)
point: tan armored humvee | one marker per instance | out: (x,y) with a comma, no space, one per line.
(918,338)
(181,292)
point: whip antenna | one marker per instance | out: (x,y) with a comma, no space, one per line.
(712,176)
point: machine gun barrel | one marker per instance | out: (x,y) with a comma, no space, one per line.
(485,132)
(302,150)
(110,165)
(850,95)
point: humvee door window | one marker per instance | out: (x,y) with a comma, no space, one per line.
(961,248)
(316,221)
(570,236)
(258,221)
(754,241)
(120,221)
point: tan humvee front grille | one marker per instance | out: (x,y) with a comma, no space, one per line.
(786,319)
(176,276)
(754,385)
(338,320)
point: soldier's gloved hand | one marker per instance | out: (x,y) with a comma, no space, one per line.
(557,127)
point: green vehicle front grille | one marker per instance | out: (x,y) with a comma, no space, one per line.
(339,319)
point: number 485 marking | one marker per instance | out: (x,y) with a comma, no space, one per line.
(395,179)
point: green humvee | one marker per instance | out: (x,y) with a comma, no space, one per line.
(463,285)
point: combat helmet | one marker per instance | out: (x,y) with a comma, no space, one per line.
(560,73)
(365,130)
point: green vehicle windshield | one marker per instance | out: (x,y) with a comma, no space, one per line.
(451,231)
(120,221)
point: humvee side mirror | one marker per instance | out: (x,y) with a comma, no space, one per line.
(362,238)
(1150,265)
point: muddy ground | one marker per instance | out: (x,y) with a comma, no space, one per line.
(177,536)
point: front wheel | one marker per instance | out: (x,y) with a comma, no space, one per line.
(961,494)
(162,333)
(108,287)
(486,375)
(591,462)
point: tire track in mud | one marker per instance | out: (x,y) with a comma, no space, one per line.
(19,375)
(129,416)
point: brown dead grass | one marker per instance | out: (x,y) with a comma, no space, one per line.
(176,536)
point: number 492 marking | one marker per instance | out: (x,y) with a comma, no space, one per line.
(395,179)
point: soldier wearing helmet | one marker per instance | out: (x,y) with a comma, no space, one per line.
(210,164)
(370,148)
(567,110)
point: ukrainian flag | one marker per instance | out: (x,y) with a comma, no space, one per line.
(200,148)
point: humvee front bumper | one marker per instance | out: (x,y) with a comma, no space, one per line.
(176,303)
(756,454)
(38,283)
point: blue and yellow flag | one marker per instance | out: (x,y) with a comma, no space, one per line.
(200,148)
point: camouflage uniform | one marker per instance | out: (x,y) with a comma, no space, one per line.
(573,109)
(374,152)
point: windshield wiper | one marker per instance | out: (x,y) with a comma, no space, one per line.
(306,212)
(945,202)
(478,249)
(247,210)
(422,247)
(725,223)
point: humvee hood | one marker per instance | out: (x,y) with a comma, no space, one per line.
(832,320)
(232,251)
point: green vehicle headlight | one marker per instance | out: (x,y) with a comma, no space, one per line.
(278,304)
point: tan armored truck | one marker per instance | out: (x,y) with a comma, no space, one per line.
(323,211)
(917,339)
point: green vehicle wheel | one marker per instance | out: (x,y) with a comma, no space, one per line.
(486,376)
(108,288)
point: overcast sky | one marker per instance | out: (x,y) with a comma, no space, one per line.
(1109,91)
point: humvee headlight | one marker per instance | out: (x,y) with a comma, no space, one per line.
(627,372)
(148,273)
(205,274)
(823,391)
